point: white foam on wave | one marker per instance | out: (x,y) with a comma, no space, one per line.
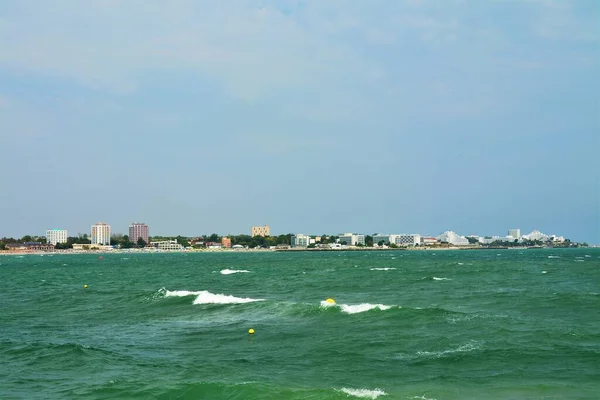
(580,260)
(461,263)
(180,293)
(327,304)
(364,393)
(553,257)
(358,308)
(544,272)
(206,297)
(232,271)
(435,278)
(383,269)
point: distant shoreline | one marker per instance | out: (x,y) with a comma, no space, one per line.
(302,249)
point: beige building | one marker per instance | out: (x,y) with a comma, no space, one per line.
(101,233)
(260,231)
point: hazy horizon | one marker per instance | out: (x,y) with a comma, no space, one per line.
(312,117)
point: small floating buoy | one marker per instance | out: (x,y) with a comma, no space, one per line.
(85,286)
(251,331)
(330,301)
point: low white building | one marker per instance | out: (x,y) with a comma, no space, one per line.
(54,236)
(453,239)
(300,240)
(351,239)
(427,240)
(386,238)
(167,245)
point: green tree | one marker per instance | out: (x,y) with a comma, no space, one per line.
(369,241)
(472,240)
(26,238)
(141,243)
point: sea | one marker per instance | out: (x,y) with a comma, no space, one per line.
(434,324)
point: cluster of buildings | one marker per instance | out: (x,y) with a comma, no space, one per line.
(101,239)
(414,239)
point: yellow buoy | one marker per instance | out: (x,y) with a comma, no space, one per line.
(251,331)
(330,301)
(85,286)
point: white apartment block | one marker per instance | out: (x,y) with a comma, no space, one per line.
(351,239)
(410,239)
(300,240)
(515,233)
(260,231)
(54,236)
(101,233)
(398,239)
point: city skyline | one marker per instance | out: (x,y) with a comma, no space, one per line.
(311,116)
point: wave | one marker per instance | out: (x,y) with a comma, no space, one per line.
(358,308)
(553,257)
(435,278)
(206,297)
(232,271)
(364,393)
(383,269)
(473,345)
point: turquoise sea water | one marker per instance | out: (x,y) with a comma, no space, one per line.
(509,324)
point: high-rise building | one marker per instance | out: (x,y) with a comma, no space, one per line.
(515,233)
(101,233)
(137,231)
(260,231)
(54,236)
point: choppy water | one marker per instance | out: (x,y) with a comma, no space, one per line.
(513,324)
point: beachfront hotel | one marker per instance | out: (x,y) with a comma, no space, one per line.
(138,230)
(54,236)
(300,240)
(260,231)
(351,239)
(101,233)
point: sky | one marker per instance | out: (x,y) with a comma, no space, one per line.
(397,116)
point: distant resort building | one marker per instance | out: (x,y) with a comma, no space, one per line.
(55,236)
(260,231)
(137,231)
(167,245)
(29,247)
(453,239)
(398,239)
(351,239)
(428,240)
(226,242)
(101,233)
(515,233)
(300,240)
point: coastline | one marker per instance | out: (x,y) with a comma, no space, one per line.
(263,250)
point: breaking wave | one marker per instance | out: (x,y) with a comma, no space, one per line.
(232,271)
(206,297)
(364,393)
(383,269)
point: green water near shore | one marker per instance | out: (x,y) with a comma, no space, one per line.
(513,324)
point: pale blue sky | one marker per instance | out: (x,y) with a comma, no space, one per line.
(310,116)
